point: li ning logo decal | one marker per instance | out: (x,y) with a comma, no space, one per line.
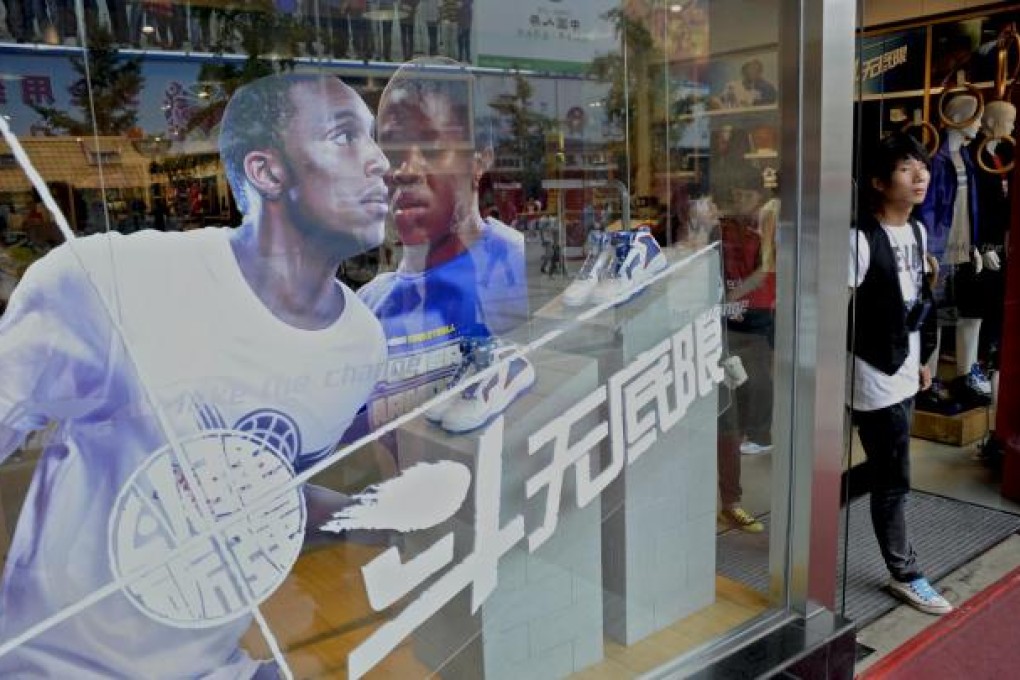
(192,532)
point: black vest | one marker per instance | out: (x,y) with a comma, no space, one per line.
(879,334)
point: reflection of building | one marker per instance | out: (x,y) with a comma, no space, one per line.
(573,170)
(71,167)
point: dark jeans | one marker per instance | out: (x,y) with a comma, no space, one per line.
(407,38)
(885,436)
(23,17)
(433,37)
(357,33)
(752,339)
(746,411)
(728,459)
(464,44)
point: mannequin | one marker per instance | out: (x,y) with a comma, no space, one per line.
(993,194)
(993,189)
(951,214)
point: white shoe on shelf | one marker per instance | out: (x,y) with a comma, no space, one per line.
(600,255)
(638,259)
(485,400)
(466,368)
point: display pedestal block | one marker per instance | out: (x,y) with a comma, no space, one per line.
(658,535)
(544,618)
(959,430)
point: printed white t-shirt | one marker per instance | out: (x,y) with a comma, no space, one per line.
(225,372)
(869,388)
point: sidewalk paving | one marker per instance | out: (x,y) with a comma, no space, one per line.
(903,623)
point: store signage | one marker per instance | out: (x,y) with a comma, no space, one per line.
(891,62)
(881,63)
(559,36)
(646,399)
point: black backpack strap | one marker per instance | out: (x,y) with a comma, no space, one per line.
(929,328)
(917,227)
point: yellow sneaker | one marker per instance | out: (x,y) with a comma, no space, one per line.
(743,520)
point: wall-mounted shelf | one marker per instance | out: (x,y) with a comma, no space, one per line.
(746,112)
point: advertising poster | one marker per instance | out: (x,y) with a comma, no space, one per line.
(743,80)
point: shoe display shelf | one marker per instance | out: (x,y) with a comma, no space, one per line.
(544,617)
(658,535)
(961,429)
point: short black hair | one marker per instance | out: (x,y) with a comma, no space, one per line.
(880,161)
(424,83)
(253,120)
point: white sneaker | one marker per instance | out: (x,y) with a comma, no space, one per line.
(638,258)
(485,400)
(466,368)
(920,595)
(978,381)
(749,448)
(600,255)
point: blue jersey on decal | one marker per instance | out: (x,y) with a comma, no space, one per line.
(424,315)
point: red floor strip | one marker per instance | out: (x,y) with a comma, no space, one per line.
(981,639)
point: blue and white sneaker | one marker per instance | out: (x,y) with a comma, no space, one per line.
(600,256)
(978,382)
(485,400)
(467,367)
(638,258)
(921,596)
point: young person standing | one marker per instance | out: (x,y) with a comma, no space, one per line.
(891,335)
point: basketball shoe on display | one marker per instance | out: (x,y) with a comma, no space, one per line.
(638,259)
(978,381)
(485,400)
(600,255)
(466,368)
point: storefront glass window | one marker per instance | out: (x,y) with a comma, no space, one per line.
(374,338)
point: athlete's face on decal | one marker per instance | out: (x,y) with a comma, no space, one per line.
(431,153)
(334,169)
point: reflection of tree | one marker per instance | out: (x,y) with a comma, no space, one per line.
(527,134)
(267,38)
(629,98)
(184,166)
(610,68)
(111,107)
